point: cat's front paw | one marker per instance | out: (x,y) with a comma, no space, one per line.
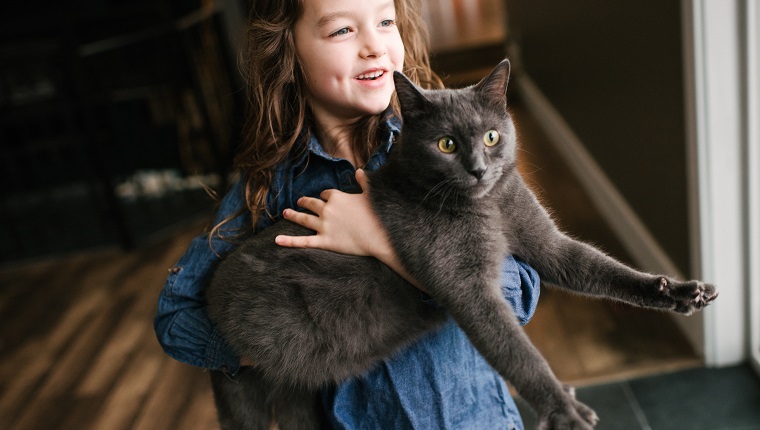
(686,297)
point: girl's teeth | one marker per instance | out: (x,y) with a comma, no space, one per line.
(373,75)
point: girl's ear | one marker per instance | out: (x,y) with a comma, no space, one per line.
(409,96)
(494,86)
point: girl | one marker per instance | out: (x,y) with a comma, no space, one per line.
(320,86)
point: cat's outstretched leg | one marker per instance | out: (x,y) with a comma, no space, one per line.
(580,267)
(584,269)
(491,326)
(592,272)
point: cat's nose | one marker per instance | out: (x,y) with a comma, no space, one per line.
(478,172)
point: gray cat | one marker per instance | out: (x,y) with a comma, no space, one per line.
(454,206)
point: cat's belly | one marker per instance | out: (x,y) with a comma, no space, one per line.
(310,316)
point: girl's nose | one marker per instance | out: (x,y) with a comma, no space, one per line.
(372,45)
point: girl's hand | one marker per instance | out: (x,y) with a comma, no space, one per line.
(345,223)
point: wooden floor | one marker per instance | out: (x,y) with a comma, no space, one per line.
(77,349)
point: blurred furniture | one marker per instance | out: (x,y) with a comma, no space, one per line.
(467,38)
(110,117)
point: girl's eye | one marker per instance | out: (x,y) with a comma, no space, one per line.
(340,32)
(387,22)
(447,145)
(491,138)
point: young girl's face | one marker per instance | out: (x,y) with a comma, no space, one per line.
(348,50)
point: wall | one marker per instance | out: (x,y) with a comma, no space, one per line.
(614,71)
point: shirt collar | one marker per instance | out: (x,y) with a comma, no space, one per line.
(389,130)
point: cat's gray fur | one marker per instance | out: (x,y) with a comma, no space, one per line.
(308,318)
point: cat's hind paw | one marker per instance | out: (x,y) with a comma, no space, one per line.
(569,421)
(687,297)
(576,417)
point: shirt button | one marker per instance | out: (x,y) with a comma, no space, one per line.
(174,270)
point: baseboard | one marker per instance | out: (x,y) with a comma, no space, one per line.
(635,237)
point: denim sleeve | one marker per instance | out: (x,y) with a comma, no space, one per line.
(182,324)
(521,287)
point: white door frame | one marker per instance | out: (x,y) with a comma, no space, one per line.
(722,99)
(752,25)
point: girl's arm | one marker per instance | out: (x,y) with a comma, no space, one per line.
(182,325)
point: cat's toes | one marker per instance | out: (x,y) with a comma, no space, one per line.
(574,415)
(582,418)
(687,296)
(584,411)
(587,414)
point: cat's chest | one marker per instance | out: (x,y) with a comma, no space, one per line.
(471,230)
(457,224)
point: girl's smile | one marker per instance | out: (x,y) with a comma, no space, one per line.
(374,78)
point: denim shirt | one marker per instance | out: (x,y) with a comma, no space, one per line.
(439,382)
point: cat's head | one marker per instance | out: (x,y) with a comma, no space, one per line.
(464,136)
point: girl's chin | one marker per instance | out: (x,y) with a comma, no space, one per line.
(375,108)
(379,103)
(378,111)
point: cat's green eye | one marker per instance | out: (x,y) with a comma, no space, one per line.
(491,138)
(447,145)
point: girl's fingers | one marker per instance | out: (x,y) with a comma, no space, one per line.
(312,204)
(297,241)
(325,195)
(303,219)
(361,179)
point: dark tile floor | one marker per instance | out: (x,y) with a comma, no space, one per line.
(695,399)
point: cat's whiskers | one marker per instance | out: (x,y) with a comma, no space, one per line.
(444,189)
(437,189)
(451,188)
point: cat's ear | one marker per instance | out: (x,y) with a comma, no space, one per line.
(494,86)
(409,96)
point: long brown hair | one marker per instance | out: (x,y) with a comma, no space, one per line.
(276,91)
